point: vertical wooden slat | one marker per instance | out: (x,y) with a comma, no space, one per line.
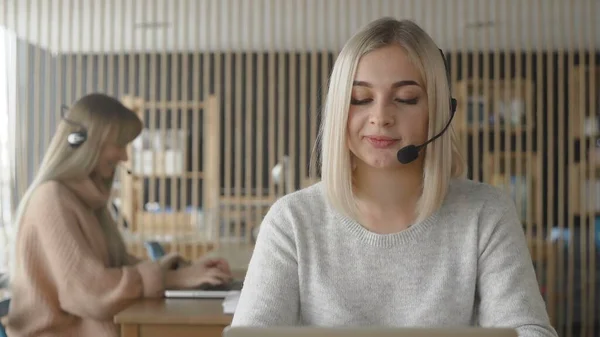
(249,131)
(330,47)
(151,89)
(580,209)
(520,130)
(551,143)
(485,89)
(550,277)
(290,173)
(271,97)
(564,282)
(100,31)
(540,125)
(187,176)
(111,57)
(219,94)
(260,117)
(314,90)
(238,129)
(453,64)
(183,220)
(36,89)
(594,306)
(24,120)
(162,112)
(60,79)
(124,178)
(196,97)
(303,112)
(587,212)
(121,54)
(48,79)
(109,88)
(281,106)
(225,5)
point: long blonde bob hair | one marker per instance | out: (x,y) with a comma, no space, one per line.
(101,116)
(442,160)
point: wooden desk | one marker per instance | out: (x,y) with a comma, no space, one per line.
(185,317)
(174,317)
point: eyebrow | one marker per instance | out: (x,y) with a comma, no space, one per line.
(394,85)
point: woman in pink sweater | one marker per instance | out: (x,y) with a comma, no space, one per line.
(71,272)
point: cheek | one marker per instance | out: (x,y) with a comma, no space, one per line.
(106,157)
(354,123)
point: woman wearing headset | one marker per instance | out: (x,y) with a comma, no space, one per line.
(393,235)
(71,272)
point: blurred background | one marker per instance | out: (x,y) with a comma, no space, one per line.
(230,92)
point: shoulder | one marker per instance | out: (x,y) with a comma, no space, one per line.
(482,203)
(50,196)
(51,188)
(472,195)
(297,211)
(305,202)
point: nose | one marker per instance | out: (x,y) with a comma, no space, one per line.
(382,116)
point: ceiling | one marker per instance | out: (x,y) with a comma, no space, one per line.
(105,26)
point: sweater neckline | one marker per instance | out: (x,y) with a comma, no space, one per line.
(89,192)
(411,234)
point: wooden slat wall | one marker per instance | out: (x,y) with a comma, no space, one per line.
(247,79)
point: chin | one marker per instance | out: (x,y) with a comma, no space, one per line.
(383,162)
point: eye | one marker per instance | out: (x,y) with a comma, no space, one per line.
(411,101)
(354,101)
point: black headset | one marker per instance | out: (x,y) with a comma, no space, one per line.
(453,102)
(76,138)
(409,153)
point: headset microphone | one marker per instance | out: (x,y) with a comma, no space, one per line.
(410,153)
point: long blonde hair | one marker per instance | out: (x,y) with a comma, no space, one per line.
(442,161)
(101,116)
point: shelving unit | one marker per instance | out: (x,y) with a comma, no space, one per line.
(584,140)
(496,124)
(187,225)
(498,116)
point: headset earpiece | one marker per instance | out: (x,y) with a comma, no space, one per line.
(75,139)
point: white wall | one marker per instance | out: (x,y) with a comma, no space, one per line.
(112,25)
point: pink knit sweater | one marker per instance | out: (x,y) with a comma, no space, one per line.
(63,286)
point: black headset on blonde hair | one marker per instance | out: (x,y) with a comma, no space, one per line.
(409,153)
(76,138)
(453,101)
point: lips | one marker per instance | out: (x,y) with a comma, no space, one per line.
(381,142)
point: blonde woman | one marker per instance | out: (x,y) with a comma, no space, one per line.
(382,243)
(71,272)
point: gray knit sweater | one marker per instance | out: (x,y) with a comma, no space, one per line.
(468,264)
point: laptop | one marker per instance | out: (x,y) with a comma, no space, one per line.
(206,291)
(156,251)
(367,332)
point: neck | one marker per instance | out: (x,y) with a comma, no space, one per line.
(92,190)
(387,198)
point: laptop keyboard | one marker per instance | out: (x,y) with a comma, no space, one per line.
(233,285)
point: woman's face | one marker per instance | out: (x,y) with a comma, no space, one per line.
(111,155)
(388,108)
